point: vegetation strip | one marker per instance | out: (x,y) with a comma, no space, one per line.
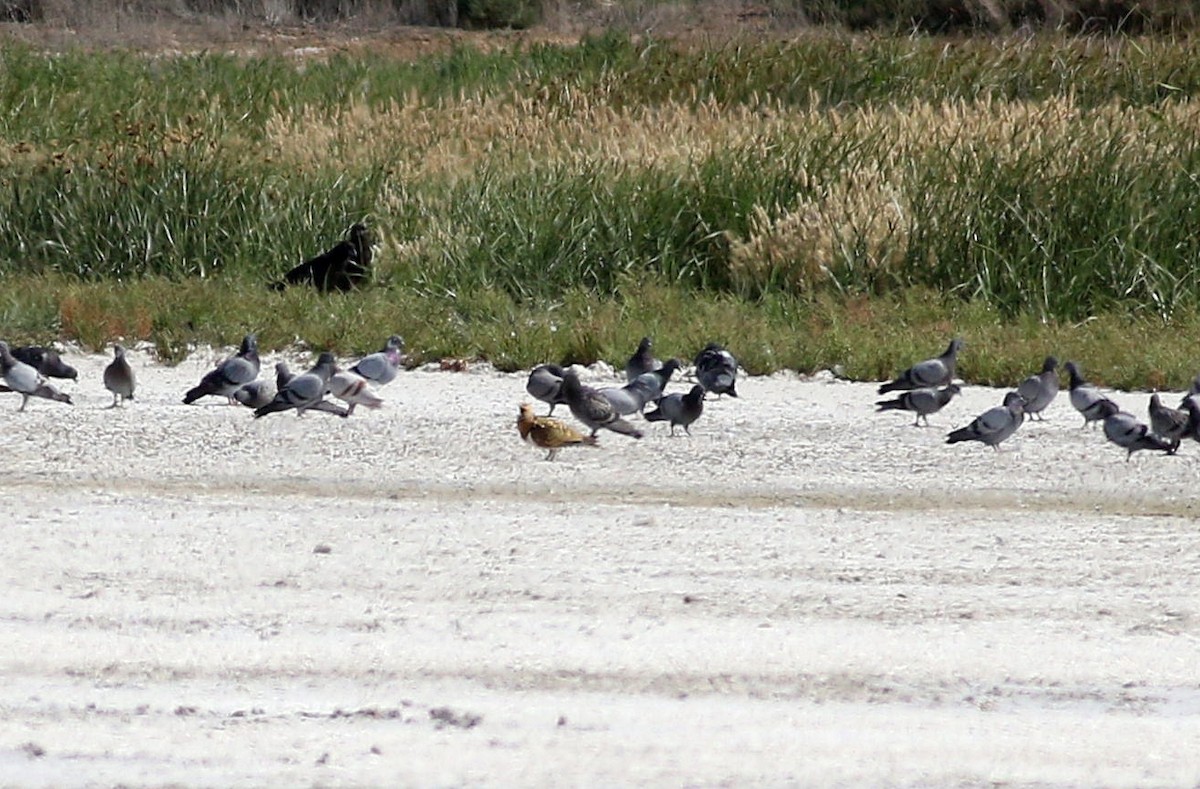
(833,201)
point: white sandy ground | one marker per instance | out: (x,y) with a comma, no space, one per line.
(802,593)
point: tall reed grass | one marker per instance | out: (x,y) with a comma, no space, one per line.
(1044,177)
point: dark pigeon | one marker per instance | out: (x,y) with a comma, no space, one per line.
(119,378)
(680,409)
(716,370)
(1168,423)
(306,391)
(922,402)
(642,361)
(230,375)
(46,361)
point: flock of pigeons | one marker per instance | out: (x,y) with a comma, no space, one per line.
(27,371)
(928,386)
(924,389)
(606,408)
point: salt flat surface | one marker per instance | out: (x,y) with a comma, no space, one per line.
(802,593)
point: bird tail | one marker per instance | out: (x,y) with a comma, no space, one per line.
(891,386)
(890,405)
(50,393)
(624,428)
(655,416)
(269,408)
(1153,441)
(962,434)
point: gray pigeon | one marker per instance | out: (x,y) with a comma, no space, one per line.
(625,401)
(1040,390)
(593,408)
(649,386)
(930,373)
(994,425)
(680,409)
(1168,423)
(1191,406)
(381,367)
(261,391)
(1093,406)
(306,391)
(25,380)
(257,393)
(46,361)
(646,388)
(353,389)
(119,378)
(1193,390)
(716,370)
(642,361)
(922,402)
(230,375)
(1127,432)
(282,374)
(545,383)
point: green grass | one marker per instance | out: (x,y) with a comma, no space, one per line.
(864,339)
(840,200)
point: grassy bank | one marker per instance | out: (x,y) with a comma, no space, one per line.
(839,200)
(862,338)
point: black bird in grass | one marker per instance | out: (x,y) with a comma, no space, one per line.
(343,267)
(679,409)
(922,402)
(593,408)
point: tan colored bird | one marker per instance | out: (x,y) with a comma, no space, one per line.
(548,433)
